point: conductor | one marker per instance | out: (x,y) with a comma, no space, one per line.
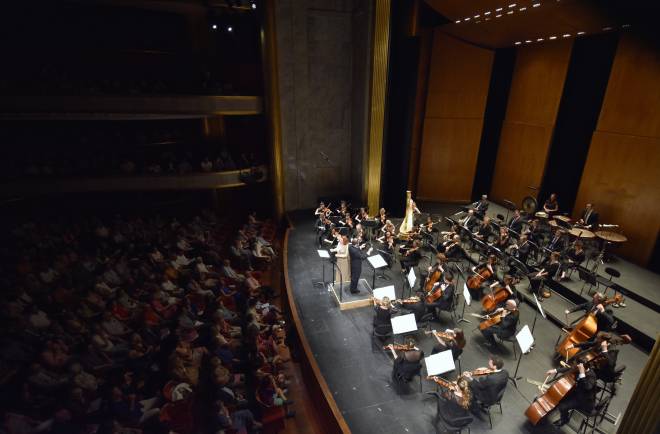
(356,257)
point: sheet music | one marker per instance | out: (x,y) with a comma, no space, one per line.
(440,363)
(323,253)
(466,295)
(404,324)
(525,339)
(538,305)
(411,277)
(385,291)
(377,261)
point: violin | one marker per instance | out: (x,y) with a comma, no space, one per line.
(399,347)
(583,331)
(475,281)
(479,371)
(411,300)
(451,385)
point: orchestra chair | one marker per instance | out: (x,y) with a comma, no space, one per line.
(512,340)
(588,278)
(591,420)
(383,335)
(449,422)
(486,406)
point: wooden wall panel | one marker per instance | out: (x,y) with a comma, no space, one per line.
(621,174)
(621,179)
(458,87)
(632,99)
(442,175)
(536,89)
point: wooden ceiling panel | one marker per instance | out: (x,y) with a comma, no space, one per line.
(551,18)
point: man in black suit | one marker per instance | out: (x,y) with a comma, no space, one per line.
(507,325)
(470,220)
(557,243)
(604,317)
(583,395)
(485,230)
(516,222)
(444,302)
(522,252)
(481,206)
(589,217)
(489,389)
(356,258)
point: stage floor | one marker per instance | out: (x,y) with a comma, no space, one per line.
(357,370)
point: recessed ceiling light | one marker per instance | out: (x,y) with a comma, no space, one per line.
(458,21)
(552,37)
(509,13)
(487,13)
(487,18)
(539,39)
(566,35)
(535,5)
(512,5)
(607,28)
(528,41)
(522,9)
(580,33)
(625,26)
(498,9)
(518,42)
(497,16)
(477,16)
(467,19)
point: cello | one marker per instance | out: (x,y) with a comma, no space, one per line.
(490,301)
(583,331)
(432,284)
(475,281)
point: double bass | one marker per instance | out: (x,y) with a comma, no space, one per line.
(547,402)
(583,331)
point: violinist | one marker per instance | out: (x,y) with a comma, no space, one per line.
(516,222)
(548,271)
(482,274)
(485,230)
(456,399)
(604,317)
(332,238)
(450,339)
(382,218)
(322,210)
(411,257)
(407,362)
(343,208)
(359,233)
(582,396)
(383,315)
(506,327)
(361,215)
(488,388)
(388,227)
(349,223)
(428,226)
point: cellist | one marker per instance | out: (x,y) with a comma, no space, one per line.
(604,317)
(435,273)
(482,274)
(503,291)
(582,396)
(445,301)
(506,327)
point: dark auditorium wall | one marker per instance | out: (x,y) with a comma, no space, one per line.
(323,52)
(536,89)
(458,85)
(623,165)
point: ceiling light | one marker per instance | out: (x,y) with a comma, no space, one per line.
(580,33)
(566,35)
(535,5)
(528,41)
(497,16)
(254,5)
(509,13)
(498,9)
(522,9)
(539,39)
(477,16)
(607,28)
(230,29)
(214,26)
(625,26)
(512,5)
(458,21)
(487,13)
(552,37)
(467,19)
(518,42)
(487,18)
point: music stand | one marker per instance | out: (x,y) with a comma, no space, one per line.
(403,324)
(377,262)
(539,308)
(440,363)
(323,254)
(526,343)
(467,300)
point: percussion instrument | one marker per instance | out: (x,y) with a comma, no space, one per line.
(612,237)
(529,204)
(542,215)
(581,233)
(553,224)
(565,219)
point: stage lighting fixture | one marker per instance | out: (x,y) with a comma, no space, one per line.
(214,26)
(230,29)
